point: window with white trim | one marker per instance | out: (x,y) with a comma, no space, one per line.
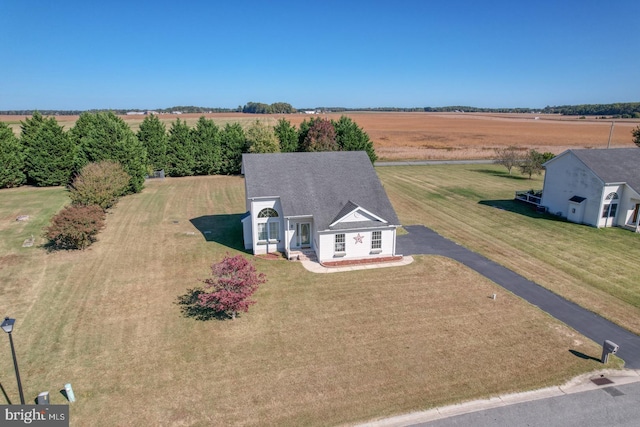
(610,208)
(262,231)
(274,231)
(376,240)
(339,243)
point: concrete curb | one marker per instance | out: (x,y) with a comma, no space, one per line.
(578,384)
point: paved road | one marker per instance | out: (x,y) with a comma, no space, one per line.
(617,405)
(434,162)
(422,240)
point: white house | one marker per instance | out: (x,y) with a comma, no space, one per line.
(331,203)
(600,188)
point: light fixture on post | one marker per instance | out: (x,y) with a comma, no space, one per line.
(7,326)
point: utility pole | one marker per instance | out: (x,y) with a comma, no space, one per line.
(610,133)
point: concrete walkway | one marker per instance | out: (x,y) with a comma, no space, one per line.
(315,267)
(422,240)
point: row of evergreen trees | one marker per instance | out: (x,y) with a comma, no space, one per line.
(47,155)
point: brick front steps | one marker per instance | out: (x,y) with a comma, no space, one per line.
(348,262)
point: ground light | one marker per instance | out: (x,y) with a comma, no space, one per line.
(7,326)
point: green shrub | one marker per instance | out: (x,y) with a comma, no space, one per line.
(75,227)
(100,183)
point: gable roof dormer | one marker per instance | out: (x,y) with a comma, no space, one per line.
(354,216)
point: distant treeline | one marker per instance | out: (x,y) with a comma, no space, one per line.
(620,109)
(275,108)
(624,110)
(180,109)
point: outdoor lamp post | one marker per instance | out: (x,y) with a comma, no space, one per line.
(7,326)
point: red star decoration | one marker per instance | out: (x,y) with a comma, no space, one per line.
(358,238)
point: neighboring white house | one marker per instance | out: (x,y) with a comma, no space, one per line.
(331,203)
(600,188)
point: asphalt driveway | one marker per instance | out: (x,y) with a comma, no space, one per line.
(421,240)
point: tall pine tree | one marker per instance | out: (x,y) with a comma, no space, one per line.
(180,159)
(11,158)
(206,147)
(105,136)
(153,136)
(351,137)
(287,135)
(49,151)
(233,144)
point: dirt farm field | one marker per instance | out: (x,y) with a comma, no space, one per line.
(423,136)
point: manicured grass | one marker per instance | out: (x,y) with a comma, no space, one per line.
(473,205)
(315,349)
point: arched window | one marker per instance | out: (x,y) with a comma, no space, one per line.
(268,213)
(612,196)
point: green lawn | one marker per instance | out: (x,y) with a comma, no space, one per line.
(473,205)
(315,349)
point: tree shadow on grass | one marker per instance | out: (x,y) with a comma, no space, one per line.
(520,208)
(502,174)
(223,229)
(583,356)
(190,307)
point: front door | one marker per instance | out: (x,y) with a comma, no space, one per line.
(303,233)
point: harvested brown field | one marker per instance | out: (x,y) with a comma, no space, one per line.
(439,136)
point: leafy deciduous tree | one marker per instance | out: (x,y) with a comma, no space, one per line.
(351,137)
(100,183)
(180,159)
(105,136)
(11,158)
(49,151)
(508,157)
(321,136)
(234,280)
(153,136)
(532,163)
(261,138)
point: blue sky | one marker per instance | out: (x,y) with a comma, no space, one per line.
(157,54)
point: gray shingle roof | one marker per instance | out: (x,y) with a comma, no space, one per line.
(346,209)
(321,184)
(613,164)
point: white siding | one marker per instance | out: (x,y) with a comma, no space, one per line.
(353,248)
(256,207)
(629,199)
(566,177)
(610,222)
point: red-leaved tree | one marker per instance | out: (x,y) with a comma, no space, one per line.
(321,136)
(234,280)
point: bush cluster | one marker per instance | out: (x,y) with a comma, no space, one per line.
(100,183)
(95,189)
(75,227)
